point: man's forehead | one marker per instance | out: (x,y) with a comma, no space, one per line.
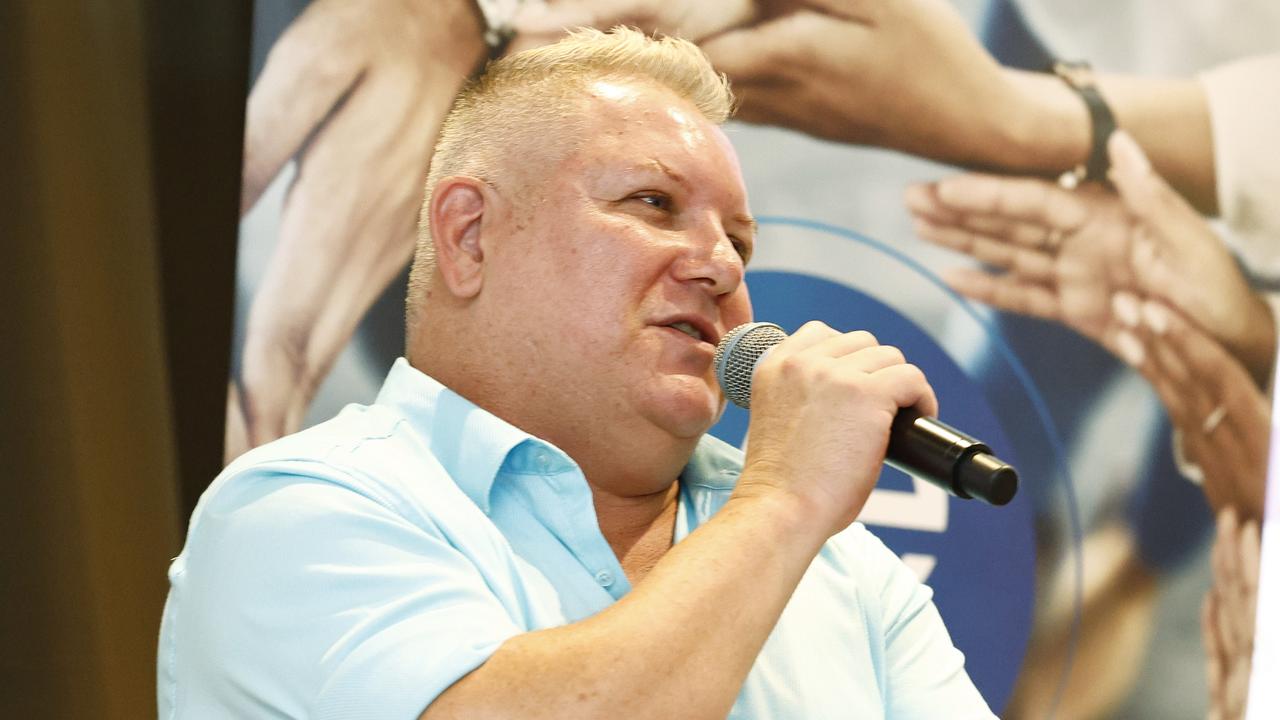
(621,113)
(615,106)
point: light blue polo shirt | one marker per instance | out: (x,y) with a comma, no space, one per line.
(359,568)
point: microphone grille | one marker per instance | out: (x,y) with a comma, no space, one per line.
(737,354)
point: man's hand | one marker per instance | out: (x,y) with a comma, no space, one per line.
(904,75)
(1223,419)
(1228,615)
(1064,255)
(1178,258)
(1050,253)
(821,407)
(692,20)
(355,92)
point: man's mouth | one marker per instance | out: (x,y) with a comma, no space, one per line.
(688,329)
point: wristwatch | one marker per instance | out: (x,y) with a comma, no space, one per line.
(1078,76)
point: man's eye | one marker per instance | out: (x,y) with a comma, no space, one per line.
(657,200)
(743,250)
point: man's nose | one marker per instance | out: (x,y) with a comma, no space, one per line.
(711,259)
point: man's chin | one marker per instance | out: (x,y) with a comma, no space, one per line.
(688,411)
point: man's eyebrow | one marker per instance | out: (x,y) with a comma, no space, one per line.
(662,167)
(750,222)
(740,218)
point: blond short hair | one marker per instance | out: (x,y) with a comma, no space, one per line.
(530,94)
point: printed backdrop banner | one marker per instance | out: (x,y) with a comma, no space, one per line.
(1264,693)
(1080,598)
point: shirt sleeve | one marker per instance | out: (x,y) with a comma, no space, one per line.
(301,597)
(924,671)
(1244,111)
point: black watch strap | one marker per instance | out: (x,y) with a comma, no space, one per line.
(1078,75)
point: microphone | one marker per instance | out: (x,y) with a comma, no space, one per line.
(919,446)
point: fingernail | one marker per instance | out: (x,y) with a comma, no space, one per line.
(1130,348)
(1126,153)
(1156,316)
(1125,307)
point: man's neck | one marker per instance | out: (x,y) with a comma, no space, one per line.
(639,529)
(636,504)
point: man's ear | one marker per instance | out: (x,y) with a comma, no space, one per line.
(458,205)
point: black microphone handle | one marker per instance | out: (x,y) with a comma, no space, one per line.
(931,450)
(919,446)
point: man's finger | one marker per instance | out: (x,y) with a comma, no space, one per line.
(764,53)
(1212,646)
(820,339)
(740,55)
(1207,363)
(1185,400)
(342,238)
(1223,549)
(1250,556)
(922,202)
(307,72)
(997,252)
(1018,232)
(1151,271)
(1026,199)
(908,387)
(875,358)
(1007,292)
(809,335)
(1146,195)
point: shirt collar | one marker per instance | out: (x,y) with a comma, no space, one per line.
(715,465)
(470,442)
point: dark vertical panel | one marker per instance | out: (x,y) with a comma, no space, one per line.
(88,355)
(197,68)
(38,658)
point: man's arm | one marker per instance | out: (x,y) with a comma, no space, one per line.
(355,93)
(911,76)
(681,643)
(1063,255)
(307,590)
(1168,117)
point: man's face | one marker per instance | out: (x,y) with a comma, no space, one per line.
(626,262)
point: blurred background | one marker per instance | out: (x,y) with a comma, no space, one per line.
(120,128)
(132,261)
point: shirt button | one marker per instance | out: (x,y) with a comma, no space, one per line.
(605,578)
(544,461)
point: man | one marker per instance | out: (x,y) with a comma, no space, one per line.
(530,522)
